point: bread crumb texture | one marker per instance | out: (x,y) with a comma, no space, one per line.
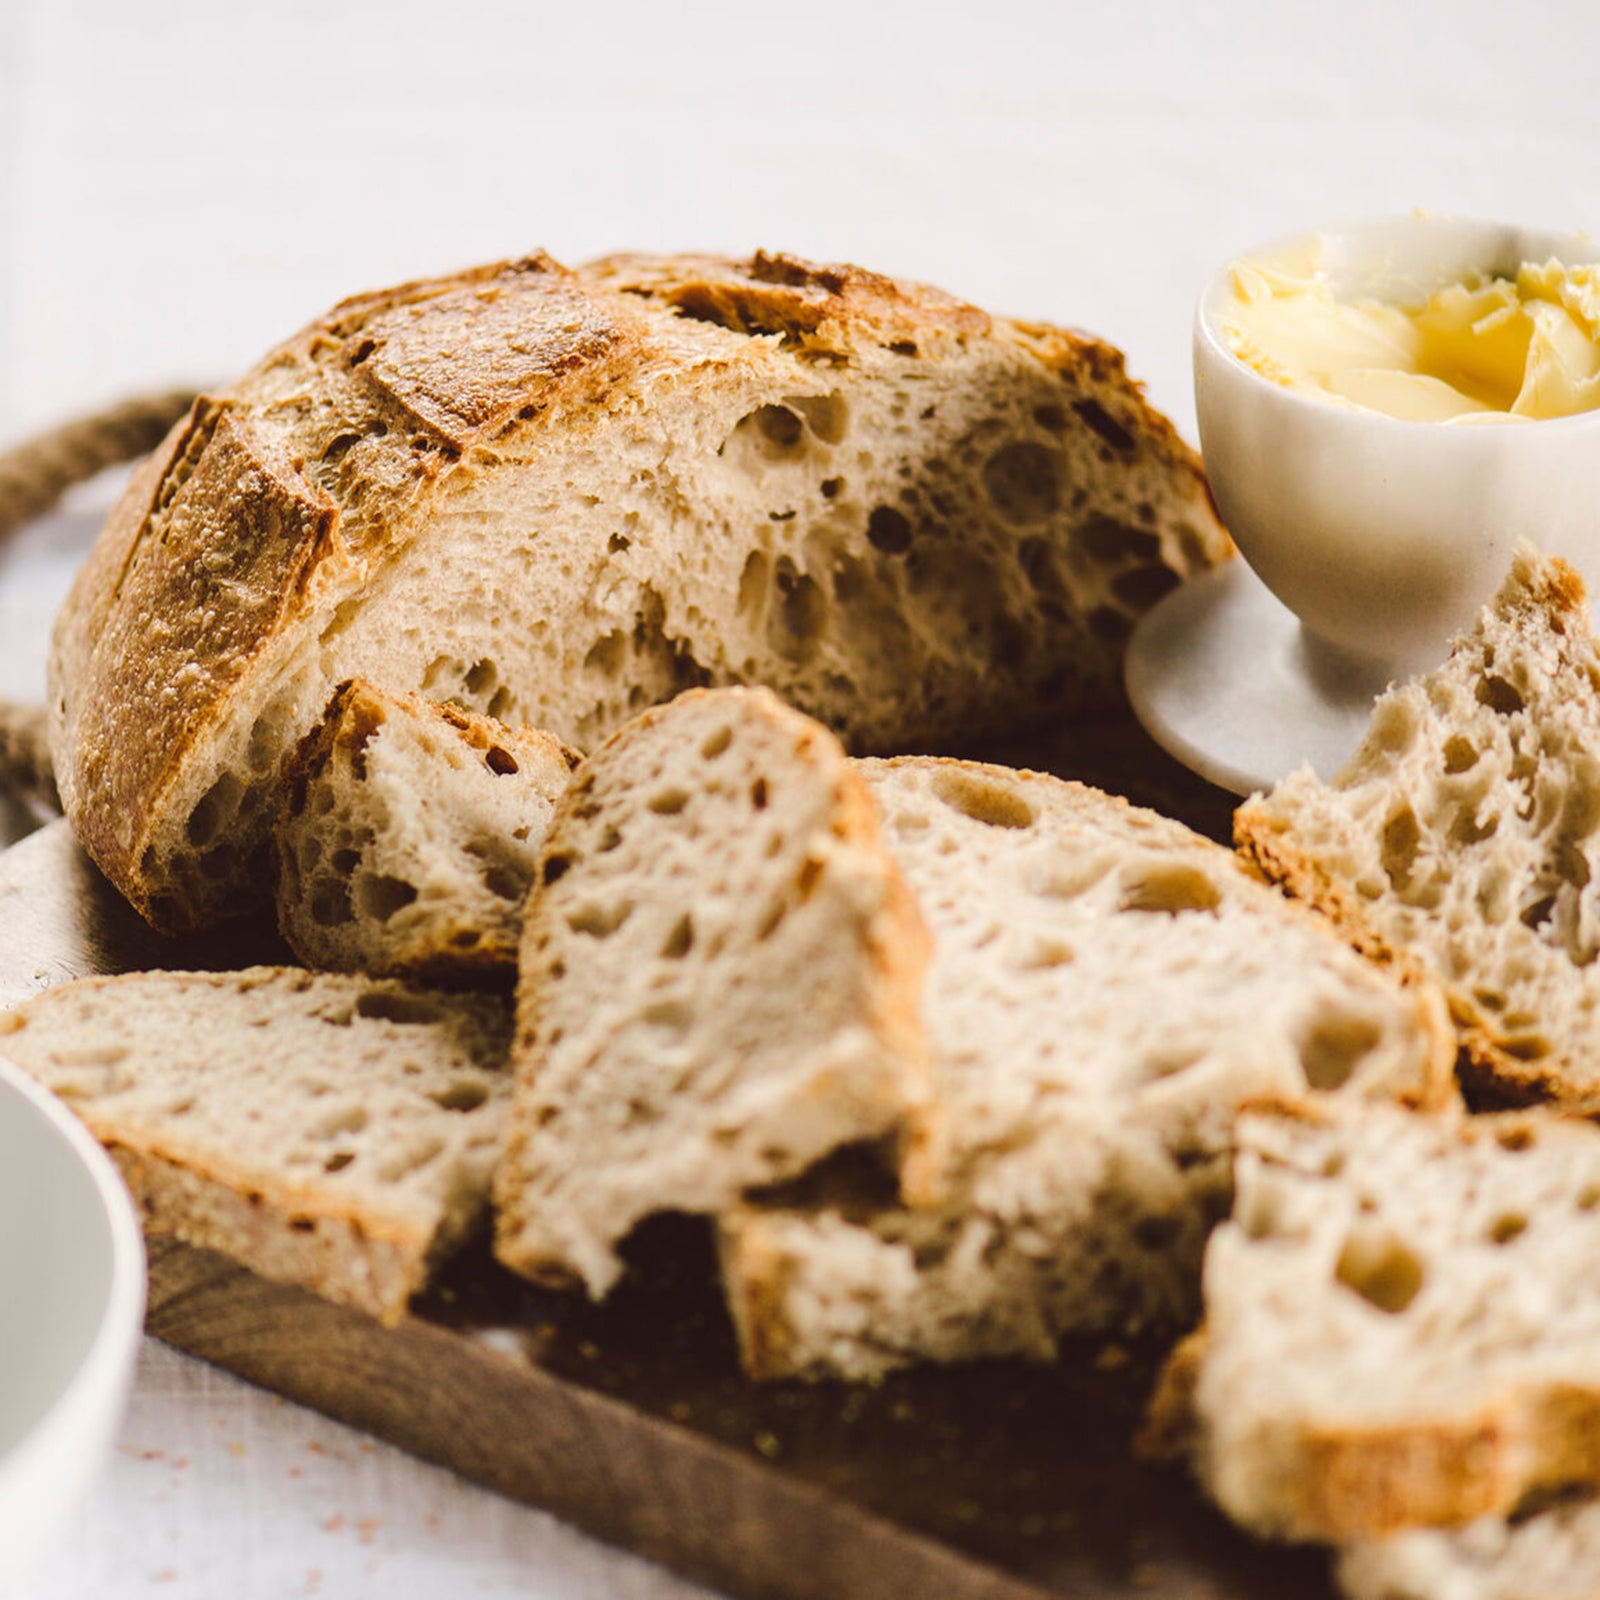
(1461,839)
(334,1132)
(1106,990)
(1401,1325)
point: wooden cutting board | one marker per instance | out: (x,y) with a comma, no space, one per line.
(631,1420)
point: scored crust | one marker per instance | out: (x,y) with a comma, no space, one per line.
(339,510)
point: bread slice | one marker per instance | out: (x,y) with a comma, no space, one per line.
(328,1131)
(408,833)
(1462,840)
(1107,988)
(1402,1322)
(719,981)
(562,496)
(1553,1555)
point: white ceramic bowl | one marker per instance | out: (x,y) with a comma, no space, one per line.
(1384,536)
(72,1280)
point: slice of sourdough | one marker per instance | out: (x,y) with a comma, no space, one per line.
(328,1131)
(1551,1555)
(408,833)
(1402,1321)
(1462,840)
(1107,988)
(719,981)
(562,496)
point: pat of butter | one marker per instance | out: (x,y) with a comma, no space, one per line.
(1494,350)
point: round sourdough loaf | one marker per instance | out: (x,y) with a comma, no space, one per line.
(558,496)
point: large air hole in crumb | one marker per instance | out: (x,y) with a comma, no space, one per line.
(800,618)
(1332,1046)
(982,799)
(504,882)
(1538,912)
(500,761)
(1114,543)
(1402,836)
(1466,829)
(1498,695)
(598,921)
(671,1016)
(396,1005)
(753,580)
(1508,1227)
(214,810)
(1172,887)
(481,678)
(681,940)
(1380,1267)
(1022,482)
(826,415)
(1045,954)
(717,743)
(1527,1047)
(607,654)
(889,530)
(463,1095)
(669,802)
(1100,422)
(379,897)
(1460,755)
(330,903)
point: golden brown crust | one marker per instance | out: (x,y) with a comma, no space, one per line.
(1365,1483)
(347,1256)
(229,547)
(1489,1076)
(1169,1430)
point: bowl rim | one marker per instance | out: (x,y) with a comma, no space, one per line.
(116,1337)
(1209,345)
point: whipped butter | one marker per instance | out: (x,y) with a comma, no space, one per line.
(1491,349)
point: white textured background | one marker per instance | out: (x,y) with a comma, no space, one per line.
(182,184)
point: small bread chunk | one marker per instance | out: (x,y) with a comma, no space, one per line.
(1402,1320)
(408,832)
(327,1131)
(1552,1555)
(719,981)
(1107,988)
(1462,840)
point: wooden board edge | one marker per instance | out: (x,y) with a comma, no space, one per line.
(697,1506)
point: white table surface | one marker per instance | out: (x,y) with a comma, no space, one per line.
(181,184)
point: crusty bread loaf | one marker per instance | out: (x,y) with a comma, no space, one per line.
(1462,840)
(1402,1320)
(328,1131)
(408,832)
(1552,1555)
(1106,989)
(718,984)
(560,497)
